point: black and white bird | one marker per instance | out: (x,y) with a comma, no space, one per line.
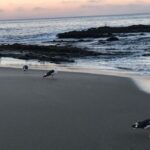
(142,125)
(25,67)
(50,73)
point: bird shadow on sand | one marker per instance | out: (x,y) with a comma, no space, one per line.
(50,79)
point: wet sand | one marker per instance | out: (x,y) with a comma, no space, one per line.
(75,111)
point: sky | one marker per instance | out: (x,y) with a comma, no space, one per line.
(20,9)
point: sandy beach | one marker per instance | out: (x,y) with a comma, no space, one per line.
(74,111)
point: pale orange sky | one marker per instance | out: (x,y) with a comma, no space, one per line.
(10,9)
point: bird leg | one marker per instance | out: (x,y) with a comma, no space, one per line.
(52,76)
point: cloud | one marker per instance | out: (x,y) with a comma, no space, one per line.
(45,9)
(95,1)
(116,9)
(1,10)
(39,9)
(69,1)
(20,9)
(116,2)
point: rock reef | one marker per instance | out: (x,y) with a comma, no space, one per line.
(55,54)
(104,32)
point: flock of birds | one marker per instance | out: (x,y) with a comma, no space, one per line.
(50,73)
(138,125)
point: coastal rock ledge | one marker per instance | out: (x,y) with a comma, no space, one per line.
(104,32)
(55,54)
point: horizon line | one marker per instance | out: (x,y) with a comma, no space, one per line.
(63,17)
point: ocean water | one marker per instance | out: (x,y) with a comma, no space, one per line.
(131,52)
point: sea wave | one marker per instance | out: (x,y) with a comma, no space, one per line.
(131,52)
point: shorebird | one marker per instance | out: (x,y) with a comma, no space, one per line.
(50,73)
(143,125)
(25,68)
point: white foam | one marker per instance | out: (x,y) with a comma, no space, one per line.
(143,83)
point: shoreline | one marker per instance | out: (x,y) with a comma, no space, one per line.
(142,82)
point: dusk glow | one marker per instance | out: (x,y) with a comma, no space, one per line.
(10,9)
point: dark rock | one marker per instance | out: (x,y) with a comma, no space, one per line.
(101,42)
(105,31)
(142,34)
(113,38)
(56,54)
(148,54)
(124,68)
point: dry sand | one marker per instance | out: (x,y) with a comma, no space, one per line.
(75,111)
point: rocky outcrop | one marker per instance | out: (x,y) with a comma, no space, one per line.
(113,38)
(105,31)
(56,54)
